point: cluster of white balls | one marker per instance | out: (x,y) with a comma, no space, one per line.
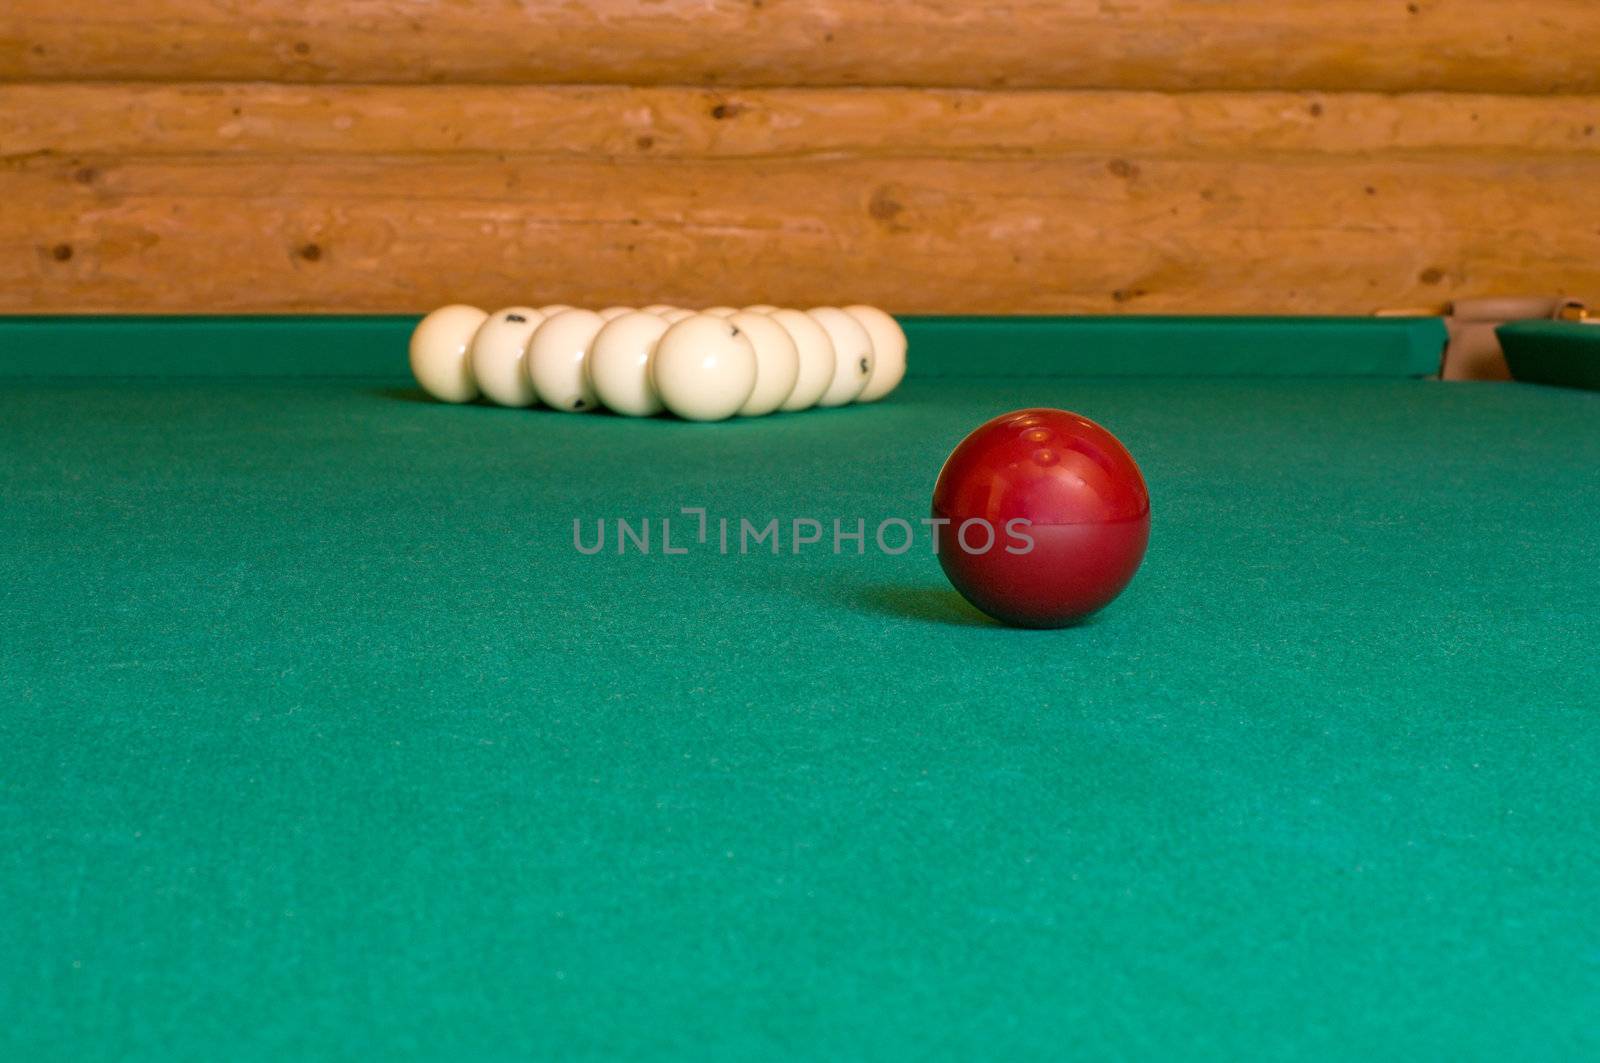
(704,366)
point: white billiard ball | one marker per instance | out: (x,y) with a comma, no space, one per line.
(657,308)
(852,351)
(611,313)
(497,354)
(675,314)
(888,351)
(619,363)
(720,311)
(704,368)
(816,358)
(556,355)
(777,362)
(553,309)
(439,352)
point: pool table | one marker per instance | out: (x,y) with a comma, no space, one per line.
(320,739)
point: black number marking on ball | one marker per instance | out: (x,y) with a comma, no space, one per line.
(865,368)
(516,317)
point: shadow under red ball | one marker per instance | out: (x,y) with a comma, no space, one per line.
(1048,517)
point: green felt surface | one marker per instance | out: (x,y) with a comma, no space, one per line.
(945,346)
(1563,353)
(319,740)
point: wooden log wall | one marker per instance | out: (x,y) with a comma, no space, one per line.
(1157,156)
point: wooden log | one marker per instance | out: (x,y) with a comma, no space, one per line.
(1079,233)
(624,123)
(1538,46)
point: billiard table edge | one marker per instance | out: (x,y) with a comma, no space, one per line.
(951,347)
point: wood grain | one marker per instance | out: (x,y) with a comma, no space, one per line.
(1537,47)
(630,123)
(1072,232)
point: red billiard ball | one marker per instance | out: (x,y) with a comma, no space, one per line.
(1048,518)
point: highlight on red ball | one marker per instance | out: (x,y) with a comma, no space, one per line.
(1042,518)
